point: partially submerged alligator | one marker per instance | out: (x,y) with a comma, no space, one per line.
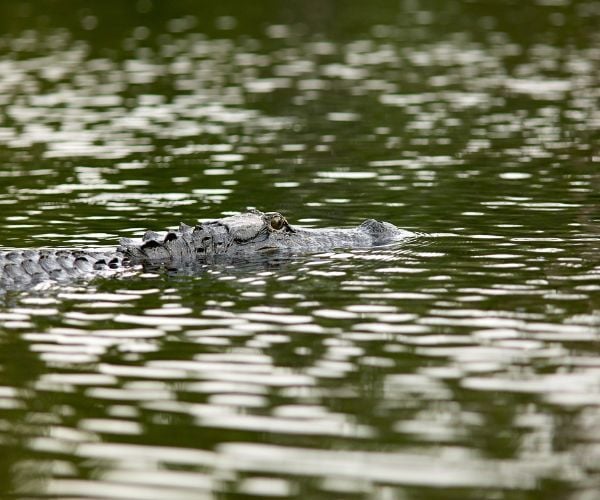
(240,236)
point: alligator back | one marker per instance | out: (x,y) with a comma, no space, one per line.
(155,248)
(24,267)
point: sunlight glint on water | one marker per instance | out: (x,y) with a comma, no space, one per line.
(460,364)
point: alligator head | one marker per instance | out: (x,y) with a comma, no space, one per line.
(252,233)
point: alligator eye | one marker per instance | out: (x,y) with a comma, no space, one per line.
(277,222)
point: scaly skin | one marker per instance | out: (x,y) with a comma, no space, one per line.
(20,268)
(240,236)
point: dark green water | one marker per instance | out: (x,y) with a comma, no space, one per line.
(462,365)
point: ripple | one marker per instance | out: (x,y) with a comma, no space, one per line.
(111,426)
(464,358)
(388,468)
(307,427)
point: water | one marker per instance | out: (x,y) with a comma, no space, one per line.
(463,364)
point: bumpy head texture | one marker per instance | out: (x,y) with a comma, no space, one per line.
(244,233)
(248,234)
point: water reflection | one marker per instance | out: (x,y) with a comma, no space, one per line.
(462,364)
(269,370)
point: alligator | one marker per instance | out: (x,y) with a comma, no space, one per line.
(248,234)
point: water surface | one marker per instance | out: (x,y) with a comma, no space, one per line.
(462,364)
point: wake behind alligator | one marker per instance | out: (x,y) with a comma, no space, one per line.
(241,236)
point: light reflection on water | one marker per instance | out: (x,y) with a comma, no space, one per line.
(460,364)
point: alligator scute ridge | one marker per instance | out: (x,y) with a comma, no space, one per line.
(245,235)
